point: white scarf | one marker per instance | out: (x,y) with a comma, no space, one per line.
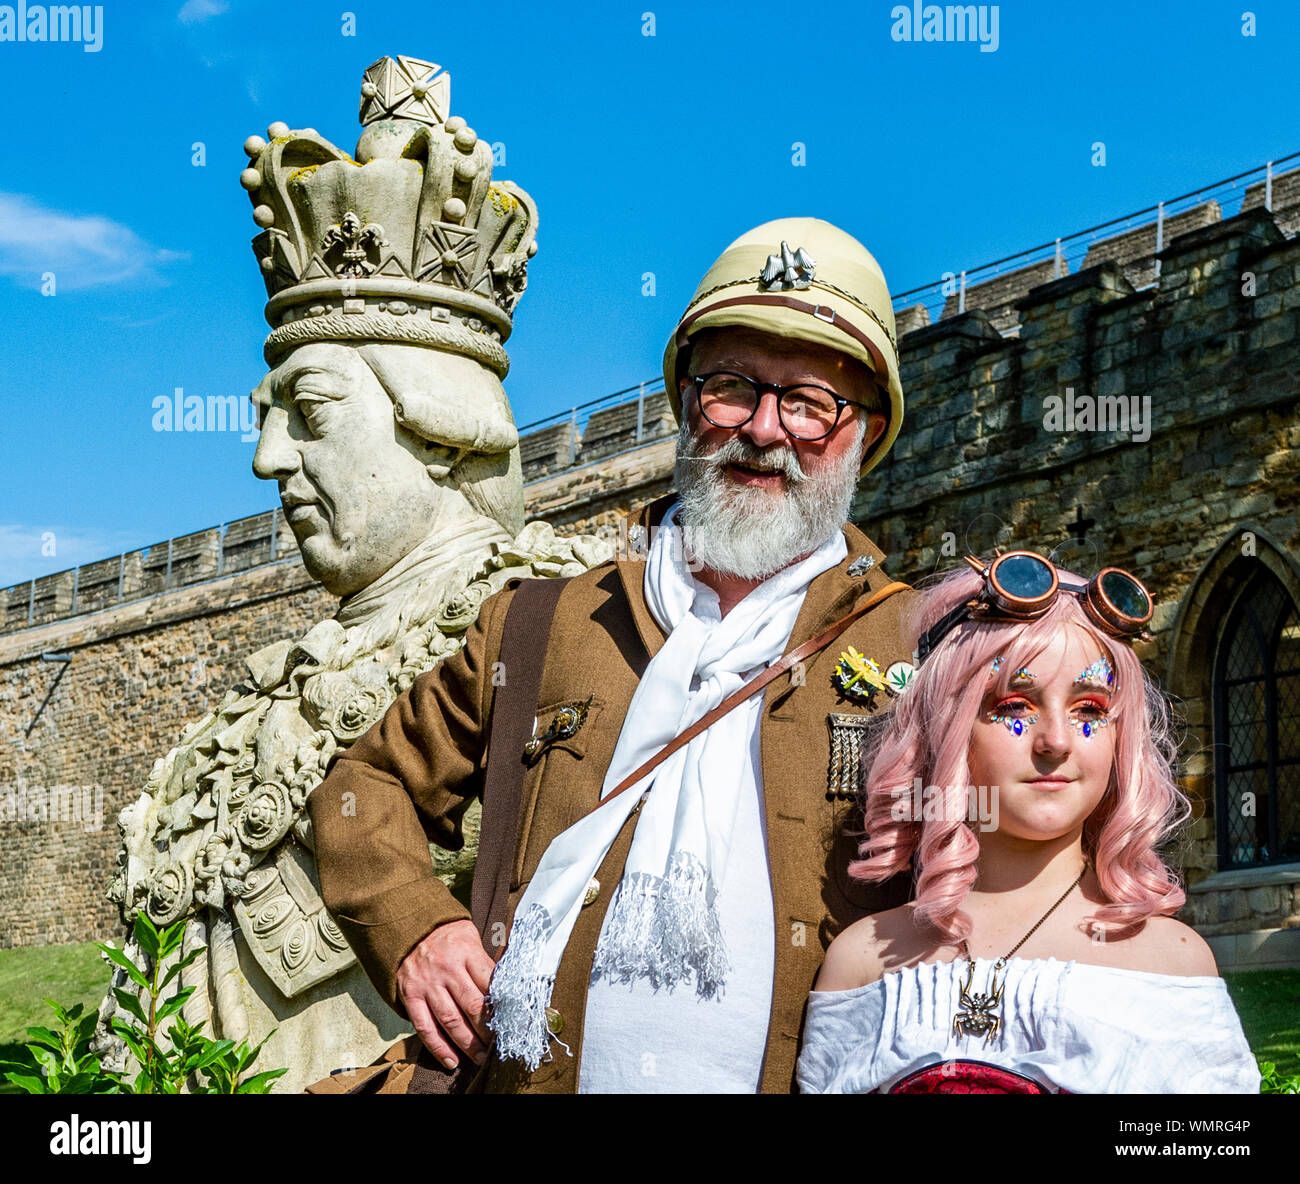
(663,923)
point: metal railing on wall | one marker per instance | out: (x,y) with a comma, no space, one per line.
(254,548)
(580,413)
(1063,253)
(1068,250)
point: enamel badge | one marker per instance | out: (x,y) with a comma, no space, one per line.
(898,676)
(858,677)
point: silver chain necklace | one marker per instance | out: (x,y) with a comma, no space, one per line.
(979,1014)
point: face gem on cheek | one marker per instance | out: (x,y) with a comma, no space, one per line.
(1015,724)
(1087,728)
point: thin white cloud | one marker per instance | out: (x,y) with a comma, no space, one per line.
(196,11)
(80,250)
(21,549)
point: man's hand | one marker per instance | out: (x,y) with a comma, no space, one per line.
(442,983)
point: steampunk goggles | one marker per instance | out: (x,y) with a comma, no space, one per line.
(1022,586)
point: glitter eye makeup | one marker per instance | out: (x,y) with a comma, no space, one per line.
(1015,724)
(1024,674)
(1087,728)
(1099,672)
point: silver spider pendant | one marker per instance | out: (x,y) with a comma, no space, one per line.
(977,1014)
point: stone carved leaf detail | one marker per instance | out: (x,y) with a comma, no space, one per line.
(299,944)
(244,766)
(331,933)
(272,915)
(239,791)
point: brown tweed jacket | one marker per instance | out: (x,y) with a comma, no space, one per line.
(413,775)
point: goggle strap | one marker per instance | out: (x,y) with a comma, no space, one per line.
(939,630)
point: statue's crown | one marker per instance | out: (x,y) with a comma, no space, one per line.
(411,241)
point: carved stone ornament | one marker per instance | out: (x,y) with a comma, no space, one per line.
(392,280)
(446,264)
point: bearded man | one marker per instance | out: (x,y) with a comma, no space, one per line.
(663,939)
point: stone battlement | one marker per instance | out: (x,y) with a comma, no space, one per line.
(1156,409)
(559,457)
(137,575)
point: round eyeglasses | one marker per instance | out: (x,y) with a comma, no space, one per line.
(807,412)
(1022,586)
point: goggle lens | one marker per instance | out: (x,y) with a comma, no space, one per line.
(1125,594)
(1025,577)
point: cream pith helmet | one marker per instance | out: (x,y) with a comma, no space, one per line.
(806,279)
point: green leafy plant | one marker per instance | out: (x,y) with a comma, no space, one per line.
(59,1061)
(62,1061)
(1273,1082)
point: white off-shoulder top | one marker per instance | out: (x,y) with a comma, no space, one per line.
(1069,1026)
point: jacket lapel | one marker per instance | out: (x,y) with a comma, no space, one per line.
(631,569)
(830,596)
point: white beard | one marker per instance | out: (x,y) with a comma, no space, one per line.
(753,533)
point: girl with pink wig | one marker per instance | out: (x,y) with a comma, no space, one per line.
(1025,779)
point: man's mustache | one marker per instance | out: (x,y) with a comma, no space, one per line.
(779,457)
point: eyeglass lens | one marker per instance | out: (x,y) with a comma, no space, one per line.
(807,412)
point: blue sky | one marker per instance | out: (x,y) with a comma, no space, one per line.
(644,154)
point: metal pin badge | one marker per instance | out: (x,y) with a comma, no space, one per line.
(564,725)
(844,779)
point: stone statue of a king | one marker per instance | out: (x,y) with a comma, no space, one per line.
(392,278)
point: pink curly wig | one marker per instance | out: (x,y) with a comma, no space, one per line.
(928,735)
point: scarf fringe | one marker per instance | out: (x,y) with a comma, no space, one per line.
(624,951)
(520,992)
(666,929)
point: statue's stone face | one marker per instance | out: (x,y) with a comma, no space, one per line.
(354,484)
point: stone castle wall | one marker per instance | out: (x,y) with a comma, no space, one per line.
(1212,492)
(1211,341)
(139,673)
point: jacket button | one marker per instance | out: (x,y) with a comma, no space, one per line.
(554,1021)
(593,892)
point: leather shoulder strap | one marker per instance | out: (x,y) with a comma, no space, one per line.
(754,685)
(524,639)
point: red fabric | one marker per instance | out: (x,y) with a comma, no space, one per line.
(967,1077)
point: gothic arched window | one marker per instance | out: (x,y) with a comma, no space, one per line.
(1257,728)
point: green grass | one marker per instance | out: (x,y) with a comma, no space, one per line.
(1268,1002)
(67,974)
